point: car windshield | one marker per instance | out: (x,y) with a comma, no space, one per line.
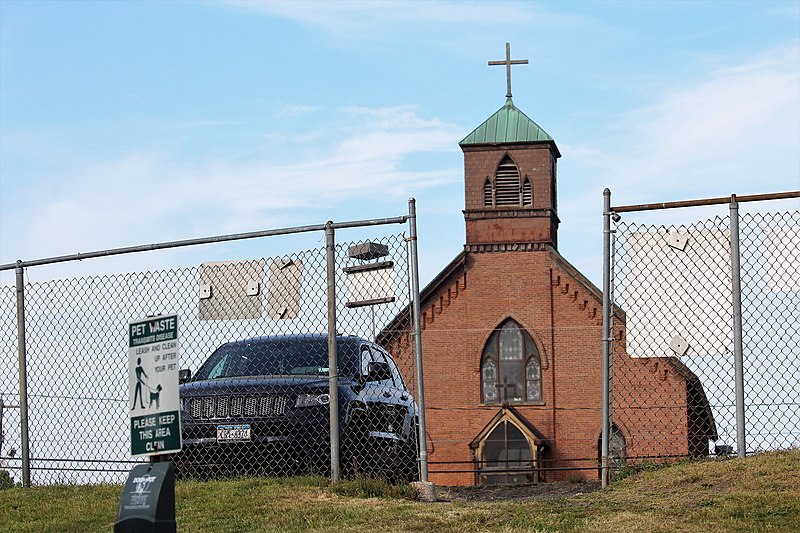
(278,357)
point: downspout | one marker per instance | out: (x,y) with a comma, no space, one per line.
(553,358)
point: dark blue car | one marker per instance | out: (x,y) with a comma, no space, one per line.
(261,406)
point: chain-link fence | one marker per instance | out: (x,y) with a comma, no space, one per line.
(692,298)
(253,336)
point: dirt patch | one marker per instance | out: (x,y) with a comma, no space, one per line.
(493,493)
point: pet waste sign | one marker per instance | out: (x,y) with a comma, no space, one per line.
(153,403)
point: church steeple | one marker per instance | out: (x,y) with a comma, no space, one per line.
(510,180)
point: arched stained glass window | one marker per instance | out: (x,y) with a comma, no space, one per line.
(533,379)
(510,366)
(617,451)
(489,377)
(617,448)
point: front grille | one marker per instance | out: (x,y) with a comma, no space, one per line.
(214,407)
(222,406)
(387,418)
(236,406)
(208,407)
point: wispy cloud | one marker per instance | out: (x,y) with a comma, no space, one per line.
(150,197)
(788,9)
(736,130)
(291,110)
(354,18)
(738,126)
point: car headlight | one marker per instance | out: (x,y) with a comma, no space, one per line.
(310,400)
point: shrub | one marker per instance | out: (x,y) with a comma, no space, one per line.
(6,481)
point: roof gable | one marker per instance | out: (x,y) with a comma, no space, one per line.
(509,413)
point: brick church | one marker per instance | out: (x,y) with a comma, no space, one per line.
(512,337)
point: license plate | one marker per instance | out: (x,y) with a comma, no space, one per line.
(236,432)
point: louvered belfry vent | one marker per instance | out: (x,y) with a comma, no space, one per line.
(507,189)
(527,192)
(487,193)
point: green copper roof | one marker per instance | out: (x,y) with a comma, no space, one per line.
(508,125)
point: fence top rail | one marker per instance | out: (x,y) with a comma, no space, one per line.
(205,240)
(707,201)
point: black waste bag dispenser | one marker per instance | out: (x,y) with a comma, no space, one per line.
(148,500)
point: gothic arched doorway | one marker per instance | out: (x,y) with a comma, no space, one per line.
(507,451)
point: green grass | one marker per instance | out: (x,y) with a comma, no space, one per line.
(760,493)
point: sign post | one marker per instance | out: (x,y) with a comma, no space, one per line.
(154,406)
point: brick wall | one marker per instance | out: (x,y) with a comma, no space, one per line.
(562,313)
(536,223)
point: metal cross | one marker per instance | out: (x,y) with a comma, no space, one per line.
(505,386)
(508,62)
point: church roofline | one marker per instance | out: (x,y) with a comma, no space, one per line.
(508,125)
(403,316)
(460,262)
(433,286)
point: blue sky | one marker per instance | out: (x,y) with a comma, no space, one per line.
(126,123)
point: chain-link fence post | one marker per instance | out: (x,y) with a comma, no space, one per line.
(23,377)
(417,332)
(333,374)
(741,445)
(606,425)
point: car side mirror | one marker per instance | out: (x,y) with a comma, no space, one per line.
(184,375)
(377,371)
